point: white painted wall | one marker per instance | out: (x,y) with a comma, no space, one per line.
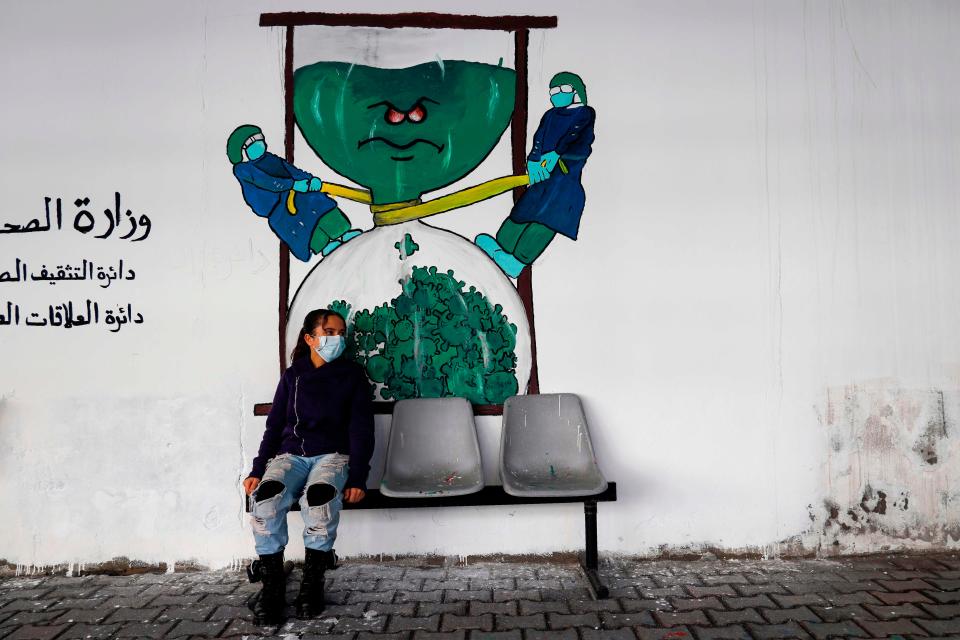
(760,312)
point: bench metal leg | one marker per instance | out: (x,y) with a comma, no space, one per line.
(590,552)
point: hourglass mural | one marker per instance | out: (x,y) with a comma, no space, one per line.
(430,313)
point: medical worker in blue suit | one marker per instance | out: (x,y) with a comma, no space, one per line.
(553,203)
(314,225)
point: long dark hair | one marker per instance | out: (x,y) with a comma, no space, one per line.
(314,319)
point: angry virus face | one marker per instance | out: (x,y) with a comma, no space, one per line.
(403,132)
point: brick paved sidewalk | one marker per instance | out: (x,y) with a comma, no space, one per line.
(871,597)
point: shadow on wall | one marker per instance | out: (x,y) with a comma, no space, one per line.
(891,477)
(633,483)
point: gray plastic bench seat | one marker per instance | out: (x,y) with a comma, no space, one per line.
(545,447)
(432,450)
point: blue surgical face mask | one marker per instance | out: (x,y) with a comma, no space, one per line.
(255,150)
(330,347)
(562,95)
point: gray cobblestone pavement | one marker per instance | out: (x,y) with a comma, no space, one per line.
(904,596)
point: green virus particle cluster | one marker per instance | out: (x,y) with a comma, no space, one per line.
(407,247)
(434,340)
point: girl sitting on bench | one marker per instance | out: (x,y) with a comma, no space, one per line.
(316,448)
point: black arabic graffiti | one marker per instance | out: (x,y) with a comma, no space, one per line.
(86,270)
(85,222)
(67,316)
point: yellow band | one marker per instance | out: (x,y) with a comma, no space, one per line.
(350,193)
(452,201)
(357,195)
(377,208)
(397,212)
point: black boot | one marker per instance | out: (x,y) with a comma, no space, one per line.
(268,604)
(310,599)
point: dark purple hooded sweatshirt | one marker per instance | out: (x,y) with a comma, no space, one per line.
(317,410)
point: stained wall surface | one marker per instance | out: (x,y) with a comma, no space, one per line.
(760,311)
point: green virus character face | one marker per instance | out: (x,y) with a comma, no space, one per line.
(403,132)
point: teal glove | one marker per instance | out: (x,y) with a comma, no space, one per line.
(315,184)
(537,173)
(301,186)
(550,158)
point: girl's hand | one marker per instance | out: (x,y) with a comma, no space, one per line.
(354,495)
(250,484)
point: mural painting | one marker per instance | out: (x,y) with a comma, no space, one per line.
(430,313)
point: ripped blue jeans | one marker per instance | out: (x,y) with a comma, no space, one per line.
(317,481)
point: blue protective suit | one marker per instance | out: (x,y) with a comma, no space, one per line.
(266,182)
(558,201)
